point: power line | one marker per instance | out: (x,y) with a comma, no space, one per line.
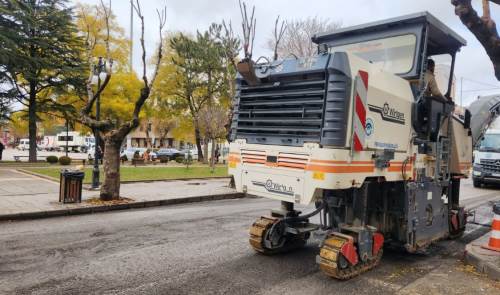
(482,83)
(494,87)
(478,90)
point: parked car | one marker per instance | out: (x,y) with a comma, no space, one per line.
(24,144)
(165,155)
(129,153)
(192,152)
(153,156)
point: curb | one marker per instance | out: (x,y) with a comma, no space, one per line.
(38,175)
(106,208)
(482,266)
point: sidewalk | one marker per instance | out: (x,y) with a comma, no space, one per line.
(24,196)
(485,261)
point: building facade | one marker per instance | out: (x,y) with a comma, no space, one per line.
(148,135)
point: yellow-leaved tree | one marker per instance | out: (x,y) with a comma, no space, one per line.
(114,128)
(117,100)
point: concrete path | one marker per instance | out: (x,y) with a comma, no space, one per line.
(24,196)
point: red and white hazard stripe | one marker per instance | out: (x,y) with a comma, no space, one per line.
(360,110)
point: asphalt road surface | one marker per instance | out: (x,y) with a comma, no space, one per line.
(203,249)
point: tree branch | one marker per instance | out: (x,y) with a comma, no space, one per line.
(107,13)
(105,125)
(483,28)
(278,35)
(146,89)
(248,25)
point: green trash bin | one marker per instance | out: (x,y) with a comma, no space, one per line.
(70,187)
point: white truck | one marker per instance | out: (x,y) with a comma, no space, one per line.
(487,159)
(48,143)
(73,140)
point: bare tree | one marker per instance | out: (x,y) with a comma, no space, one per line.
(484,28)
(231,46)
(213,120)
(296,40)
(112,132)
(279,32)
(162,127)
(249,23)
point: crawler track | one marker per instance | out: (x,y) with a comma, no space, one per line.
(334,265)
(259,233)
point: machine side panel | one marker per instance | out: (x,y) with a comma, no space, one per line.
(427,215)
(338,95)
(461,149)
(388,114)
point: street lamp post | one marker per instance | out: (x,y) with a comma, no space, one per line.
(98,70)
(67,135)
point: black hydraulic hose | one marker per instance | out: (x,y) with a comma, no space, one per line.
(306,216)
(480,224)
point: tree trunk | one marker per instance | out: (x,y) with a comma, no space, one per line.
(197,136)
(32,122)
(101,141)
(212,161)
(483,28)
(205,150)
(110,189)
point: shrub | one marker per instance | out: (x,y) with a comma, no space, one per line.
(179,159)
(52,159)
(65,161)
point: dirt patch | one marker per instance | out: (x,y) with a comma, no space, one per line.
(98,202)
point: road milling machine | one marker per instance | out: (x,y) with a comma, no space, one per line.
(352,131)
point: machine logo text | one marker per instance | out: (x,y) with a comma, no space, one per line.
(389,114)
(274,187)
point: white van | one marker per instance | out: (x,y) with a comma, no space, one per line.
(24,144)
(487,159)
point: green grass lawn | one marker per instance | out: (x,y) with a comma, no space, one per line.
(146,173)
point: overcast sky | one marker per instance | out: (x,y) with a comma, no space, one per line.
(190,15)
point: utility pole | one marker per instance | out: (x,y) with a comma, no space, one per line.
(461,91)
(67,135)
(98,69)
(131,36)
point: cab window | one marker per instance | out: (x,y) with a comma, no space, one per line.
(394,54)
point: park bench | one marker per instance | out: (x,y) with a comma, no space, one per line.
(18,158)
(138,161)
